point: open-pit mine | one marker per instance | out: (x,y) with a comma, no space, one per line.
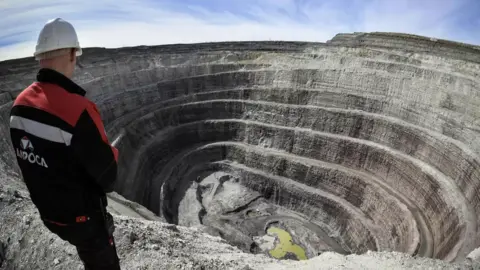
(369,141)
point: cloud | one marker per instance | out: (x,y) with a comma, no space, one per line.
(115,23)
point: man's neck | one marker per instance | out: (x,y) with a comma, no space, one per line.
(48,75)
(57,69)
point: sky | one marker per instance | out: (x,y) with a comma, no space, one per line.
(119,23)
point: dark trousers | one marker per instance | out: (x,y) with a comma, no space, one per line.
(94,242)
(95,255)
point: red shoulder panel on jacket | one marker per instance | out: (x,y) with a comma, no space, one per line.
(53,99)
(95,115)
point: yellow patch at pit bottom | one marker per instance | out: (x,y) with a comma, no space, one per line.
(286,245)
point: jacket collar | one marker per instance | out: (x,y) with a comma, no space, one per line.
(52,76)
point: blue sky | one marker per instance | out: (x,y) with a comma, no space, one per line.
(117,23)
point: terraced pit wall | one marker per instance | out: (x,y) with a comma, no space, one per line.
(372,136)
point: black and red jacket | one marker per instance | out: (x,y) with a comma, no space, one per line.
(62,150)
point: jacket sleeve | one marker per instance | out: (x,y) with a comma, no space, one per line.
(92,149)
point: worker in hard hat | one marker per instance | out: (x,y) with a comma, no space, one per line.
(65,158)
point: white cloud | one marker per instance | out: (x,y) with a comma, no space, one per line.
(112,23)
(18,50)
(421,17)
(188,30)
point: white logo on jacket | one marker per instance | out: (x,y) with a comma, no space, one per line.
(26,144)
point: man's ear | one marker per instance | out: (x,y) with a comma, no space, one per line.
(72,54)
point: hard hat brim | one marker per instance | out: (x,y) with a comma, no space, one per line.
(79,50)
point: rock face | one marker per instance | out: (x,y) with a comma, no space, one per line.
(366,142)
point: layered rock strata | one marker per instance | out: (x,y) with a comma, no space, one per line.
(367,141)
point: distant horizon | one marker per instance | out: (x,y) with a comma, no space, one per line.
(113,24)
(433,39)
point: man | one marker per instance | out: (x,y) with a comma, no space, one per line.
(62,150)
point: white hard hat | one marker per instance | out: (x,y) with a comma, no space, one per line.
(57,34)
